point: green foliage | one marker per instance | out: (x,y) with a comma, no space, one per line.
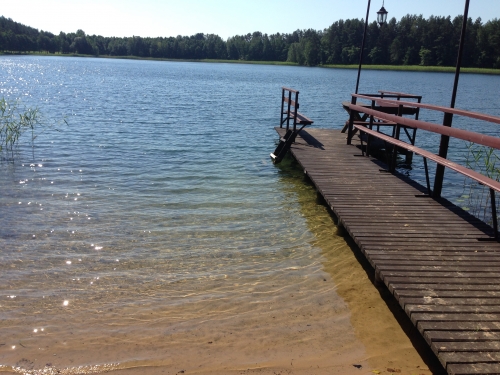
(376,55)
(413,40)
(16,121)
(425,57)
(484,160)
(295,54)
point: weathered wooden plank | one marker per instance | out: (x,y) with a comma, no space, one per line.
(429,317)
(440,274)
(406,258)
(456,336)
(424,326)
(401,288)
(453,309)
(423,293)
(449,280)
(449,301)
(451,264)
(435,268)
(468,357)
(474,368)
(471,346)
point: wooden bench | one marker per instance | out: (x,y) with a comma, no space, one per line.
(381,105)
(289,110)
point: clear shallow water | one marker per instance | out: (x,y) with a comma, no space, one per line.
(157,208)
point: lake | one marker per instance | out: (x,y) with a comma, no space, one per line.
(153,226)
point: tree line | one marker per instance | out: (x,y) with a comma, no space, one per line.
(413,40)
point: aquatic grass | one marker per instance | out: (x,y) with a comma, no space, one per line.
(10,127)
(16,121)
(484,160)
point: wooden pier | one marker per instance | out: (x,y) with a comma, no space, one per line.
(439,262)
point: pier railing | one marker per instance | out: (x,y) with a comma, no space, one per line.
(445,130)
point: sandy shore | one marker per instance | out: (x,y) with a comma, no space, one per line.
(318,313)
(344,327)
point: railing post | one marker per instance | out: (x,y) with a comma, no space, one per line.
(351,122)
(443,152)
(296,108)
(429,191)
(282,105)
(419,100)
(288,111)
(448,117)
(494,212)
(396,135)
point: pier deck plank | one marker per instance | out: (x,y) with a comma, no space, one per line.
(433,257)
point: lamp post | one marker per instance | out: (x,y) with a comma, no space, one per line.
(381,19)
(382,15)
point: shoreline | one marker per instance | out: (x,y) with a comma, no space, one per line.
(405,68)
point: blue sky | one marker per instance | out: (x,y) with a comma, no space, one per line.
(222,17)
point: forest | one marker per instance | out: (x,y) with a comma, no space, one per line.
(413,40)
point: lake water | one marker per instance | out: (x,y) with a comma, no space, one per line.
(156,209)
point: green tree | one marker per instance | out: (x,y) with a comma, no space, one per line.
(81,45)
(376,56)
(296,54)
(311,47)
(425,56)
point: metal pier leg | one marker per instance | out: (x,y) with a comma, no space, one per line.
(427,177)
(494,212)
(361,139)
(392,167)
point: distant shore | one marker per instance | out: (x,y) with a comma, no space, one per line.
(410,68)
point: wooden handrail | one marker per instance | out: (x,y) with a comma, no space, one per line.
(485,180)
(289,89)
(400,94)
(466,135)
(454,111)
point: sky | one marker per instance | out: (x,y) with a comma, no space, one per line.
(226,18)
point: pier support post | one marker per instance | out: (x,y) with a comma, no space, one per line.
(363,46)
(448,117)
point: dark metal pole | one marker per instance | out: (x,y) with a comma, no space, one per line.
(448,117)
(363,45)
(494,213)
